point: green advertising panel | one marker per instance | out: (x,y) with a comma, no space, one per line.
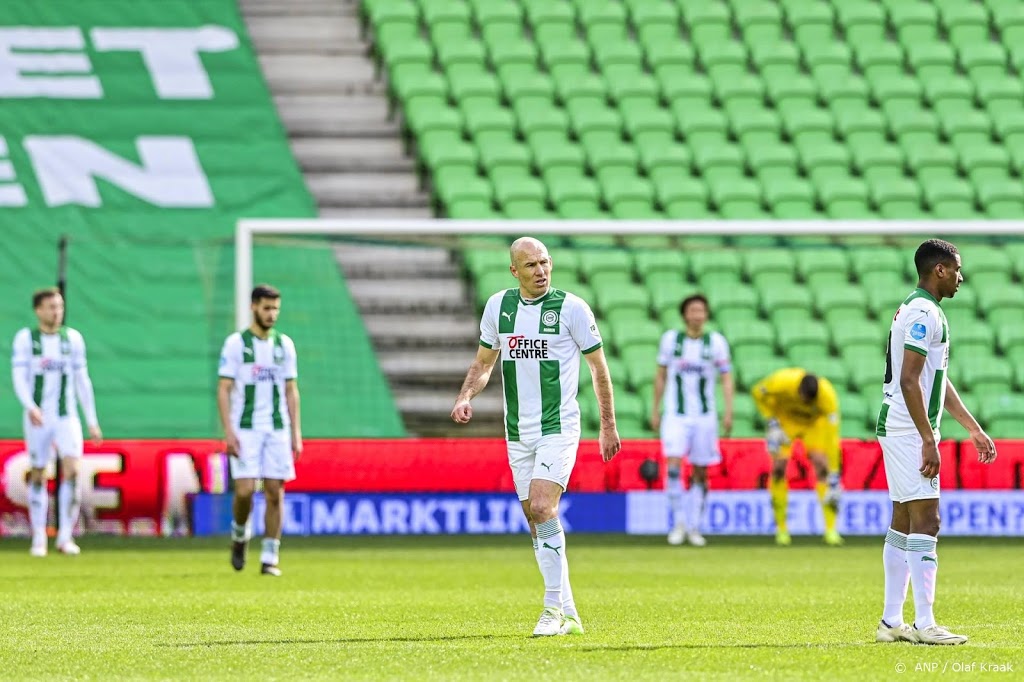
(143,130)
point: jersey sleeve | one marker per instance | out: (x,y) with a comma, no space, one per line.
(489,324)
(78,361)
(919,327)
(720,353)
(765,392)
(230,357)
(21,350)
(291,359)
(583,327)
(666,348)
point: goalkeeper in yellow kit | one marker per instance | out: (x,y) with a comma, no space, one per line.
(799,405)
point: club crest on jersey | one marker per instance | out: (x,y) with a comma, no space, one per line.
(918,331)
(278,354)
(65,347)
(549,322)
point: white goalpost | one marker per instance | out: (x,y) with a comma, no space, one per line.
(247,229)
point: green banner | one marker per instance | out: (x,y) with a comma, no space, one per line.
(143,129)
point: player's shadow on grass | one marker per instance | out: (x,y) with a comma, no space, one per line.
(336,640)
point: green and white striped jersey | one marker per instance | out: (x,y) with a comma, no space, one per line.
(540,342)
(919,326)
(692,368)
(260,368)
(45,368)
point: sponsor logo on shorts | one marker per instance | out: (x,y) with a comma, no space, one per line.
(935,483)
(546,466)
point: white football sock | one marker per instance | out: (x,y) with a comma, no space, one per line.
(695,499)
(924,566)
(38,501)
(239,532)
(549,557)
(270,549)
(674,492)
(897,577)
(568,603)
(69,504)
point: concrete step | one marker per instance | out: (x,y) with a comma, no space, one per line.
(310,34)
(366,189)
(348,108)
(409,296)
(428,367)
(320,74)
(367,260)
(378,213)
(419,402)
(451,332)
(292,8)
(325,154)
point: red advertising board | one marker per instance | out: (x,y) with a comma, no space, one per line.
(140,487)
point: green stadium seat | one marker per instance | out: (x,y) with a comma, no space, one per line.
(635,333)
(753,370)
(777,299)
(821,260)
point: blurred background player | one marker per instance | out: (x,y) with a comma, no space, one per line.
(540,332)
(50,378)
(689,364)
(798,405)
(916,387)
(258,367)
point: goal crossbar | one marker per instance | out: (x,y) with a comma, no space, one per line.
(248,228)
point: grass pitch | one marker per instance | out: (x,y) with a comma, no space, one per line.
(464,607)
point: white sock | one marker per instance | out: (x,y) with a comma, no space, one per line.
(239,532)
(695,498)
(549,557)
(674,491)
(270,549)
(38,500)
(897,577)
(69,504)
(568,603)
(924,565)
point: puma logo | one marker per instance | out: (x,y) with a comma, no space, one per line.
(556,550)
(508,315)
(546,466)
(247,351)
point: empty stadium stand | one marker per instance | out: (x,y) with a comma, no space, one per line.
(738,109)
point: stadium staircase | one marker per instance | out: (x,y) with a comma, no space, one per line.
(334,108)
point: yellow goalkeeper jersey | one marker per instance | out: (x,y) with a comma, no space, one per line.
(777,396)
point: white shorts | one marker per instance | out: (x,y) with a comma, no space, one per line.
(264,454)
(902,457)
(695,438)
(62,435)
(549,458)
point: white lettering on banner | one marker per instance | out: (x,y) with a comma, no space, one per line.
(94,499)
(295,514)
(418,516)
(16,64)
(171,55)
(964,512)
(10,194)
(170,175)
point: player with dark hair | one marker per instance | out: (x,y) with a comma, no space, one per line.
(51,378)
(799,405)
(916,389)
(258,366)
(690,361)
